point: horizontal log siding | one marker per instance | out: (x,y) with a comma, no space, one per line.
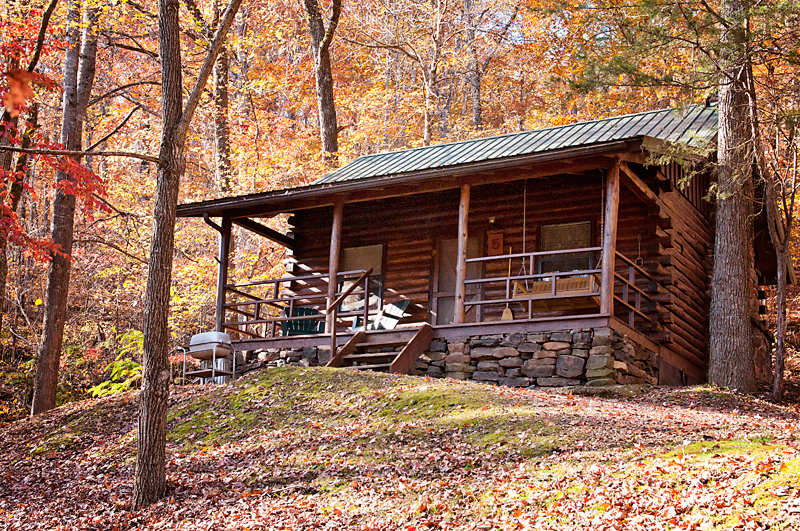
(410,228)
(693,189)
(691,238)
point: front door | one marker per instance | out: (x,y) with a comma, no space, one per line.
(443,301)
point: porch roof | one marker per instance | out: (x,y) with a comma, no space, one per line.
(694,126)
(406,171)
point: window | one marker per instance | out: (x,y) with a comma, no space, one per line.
(358,258)
(566,236)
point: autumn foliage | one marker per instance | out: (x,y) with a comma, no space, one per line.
(405,73)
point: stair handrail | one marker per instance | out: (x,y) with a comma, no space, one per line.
(331,309)
(346,293)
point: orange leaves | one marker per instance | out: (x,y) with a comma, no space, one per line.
(19,91)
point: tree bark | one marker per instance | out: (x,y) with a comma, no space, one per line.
(150,469)
(731,361)
(780,333)
(6,160)
(81,53)
(321,38)
(473,66)
(222,146)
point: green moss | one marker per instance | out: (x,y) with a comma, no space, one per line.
(701,451)
(59,441)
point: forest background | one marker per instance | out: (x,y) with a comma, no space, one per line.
(405,73)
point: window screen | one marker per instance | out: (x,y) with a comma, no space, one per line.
(566,236)
(369,256)
(358,258)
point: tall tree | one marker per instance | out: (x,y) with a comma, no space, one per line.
(150,470)
(321,37)
(7,126)
(731,353)
(79,70)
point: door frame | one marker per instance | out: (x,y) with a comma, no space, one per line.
(435,294)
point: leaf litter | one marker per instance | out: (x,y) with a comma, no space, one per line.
(288,449)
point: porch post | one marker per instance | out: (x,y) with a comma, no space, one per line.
(222,272)
(461,264)
(333,260)
(610,240)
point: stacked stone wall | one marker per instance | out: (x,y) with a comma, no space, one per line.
(584,357)
(591,357)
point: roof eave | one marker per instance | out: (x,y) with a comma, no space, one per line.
(311,196)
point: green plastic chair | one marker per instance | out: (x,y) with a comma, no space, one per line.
(302,327)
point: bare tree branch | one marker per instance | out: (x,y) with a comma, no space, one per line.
(65,153)
(117,128)
(121,88)
(115,247)
(205,71)
(40,39)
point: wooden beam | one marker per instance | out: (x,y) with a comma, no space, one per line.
(347,349)
(410,353)
(333,261)
(640,188)
(610,240)
(222,271)
(461,259)
(261,230)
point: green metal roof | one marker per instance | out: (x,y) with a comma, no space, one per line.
(694,126)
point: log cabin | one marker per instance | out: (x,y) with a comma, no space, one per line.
(565,256)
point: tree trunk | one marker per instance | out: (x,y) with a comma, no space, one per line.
(473,66)
(320,47)
(6,160)
(77,88)
(222,146)
(780,333)
(15,190)
(731,361)
(150,470)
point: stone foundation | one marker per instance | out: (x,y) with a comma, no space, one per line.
(586,357)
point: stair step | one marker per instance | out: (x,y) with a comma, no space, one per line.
(382,344)
(370,355)
(378,367)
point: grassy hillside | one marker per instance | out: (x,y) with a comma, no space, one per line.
(336,449)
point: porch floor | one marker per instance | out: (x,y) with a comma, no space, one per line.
(449,332)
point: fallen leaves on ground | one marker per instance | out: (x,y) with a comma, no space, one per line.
(337,449)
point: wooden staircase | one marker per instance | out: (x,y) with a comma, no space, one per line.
(392,351)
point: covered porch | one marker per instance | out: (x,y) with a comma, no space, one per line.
(456,267)
(543,233)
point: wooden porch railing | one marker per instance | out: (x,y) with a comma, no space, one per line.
(632,284)
(629,289)
(557,290)
(331,309)
(270,304)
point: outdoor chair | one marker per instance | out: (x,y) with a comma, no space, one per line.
(387,318)
(302,327)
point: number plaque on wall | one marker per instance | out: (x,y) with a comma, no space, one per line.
(495,242)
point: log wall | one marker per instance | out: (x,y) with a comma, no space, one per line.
(410,228)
